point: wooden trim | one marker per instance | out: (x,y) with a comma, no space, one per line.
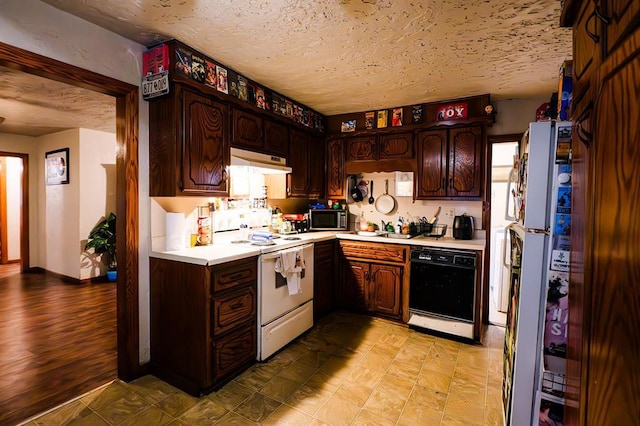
(486,215)
(127,186)
(4,243)
(24,211)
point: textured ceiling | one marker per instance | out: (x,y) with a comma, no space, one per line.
(341,56)
(36,106)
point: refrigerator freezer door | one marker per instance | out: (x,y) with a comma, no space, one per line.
(540,161)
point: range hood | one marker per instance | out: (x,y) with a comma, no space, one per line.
(259,163)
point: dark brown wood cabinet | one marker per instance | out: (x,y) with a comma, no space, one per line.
(250,131)
(603,337)
(372,277)
(336,187)
(450,163)
(395,146)
(188,145)
(387,146)
(203,322)
(306,158)
(361,148)
(324,278)
(247,130)
(276,138)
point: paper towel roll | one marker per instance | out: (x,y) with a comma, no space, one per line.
(174,231)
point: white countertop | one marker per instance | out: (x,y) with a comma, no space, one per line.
(445,242)
(223,250)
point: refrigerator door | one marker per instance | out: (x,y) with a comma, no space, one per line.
(523,336)
(539,165)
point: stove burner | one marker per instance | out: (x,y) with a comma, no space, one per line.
(291,238)
(240,241)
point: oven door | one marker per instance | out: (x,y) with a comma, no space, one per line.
(274,296)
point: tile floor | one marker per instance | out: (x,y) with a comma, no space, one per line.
(348,370)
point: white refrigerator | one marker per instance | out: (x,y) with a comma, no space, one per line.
(535,333)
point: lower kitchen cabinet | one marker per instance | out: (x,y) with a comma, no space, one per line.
(323,278)
(373,279)
(203,322)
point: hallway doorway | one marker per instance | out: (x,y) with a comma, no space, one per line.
(502,157)
(13,184)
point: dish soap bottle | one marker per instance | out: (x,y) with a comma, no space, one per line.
(363,222)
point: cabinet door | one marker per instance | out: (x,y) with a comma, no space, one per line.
(354,291)
(465,162)
(335,168)
(234,351)
(611,266)
(298,179)
(247,131)
(432,164)
(276,138)
(586,36)
(623,20)
(398,146)
(385,285)
(361,148)
(205,145)
(316,168)
(323,288)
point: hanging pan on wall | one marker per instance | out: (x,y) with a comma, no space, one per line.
(385,203)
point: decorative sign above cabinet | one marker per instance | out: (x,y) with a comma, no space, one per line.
(173,60)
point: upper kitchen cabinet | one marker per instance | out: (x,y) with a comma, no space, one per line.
(450,163)
(335,169)
(188,145)
(388,146)
(252,132)
(306,158)
(361,148)
(276,138)
(395,146)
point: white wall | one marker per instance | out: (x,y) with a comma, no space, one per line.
(406,207)
(59,226)
(97,191)
(40,28)
(14,206)
(514,115)
(27,145)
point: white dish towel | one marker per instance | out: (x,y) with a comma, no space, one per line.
(290,264)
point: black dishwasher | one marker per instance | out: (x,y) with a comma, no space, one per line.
(443,284)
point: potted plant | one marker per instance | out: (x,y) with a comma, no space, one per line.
(102,239)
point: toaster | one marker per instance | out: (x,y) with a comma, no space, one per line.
(463,227)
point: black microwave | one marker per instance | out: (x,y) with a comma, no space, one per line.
(328,220)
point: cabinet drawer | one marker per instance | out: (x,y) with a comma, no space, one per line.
(234,351)
(372,251)
(234,274)
(229,311)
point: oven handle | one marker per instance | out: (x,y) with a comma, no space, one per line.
(276,254)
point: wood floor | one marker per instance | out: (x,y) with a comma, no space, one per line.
(57,341)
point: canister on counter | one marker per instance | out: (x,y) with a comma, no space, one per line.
(205,235)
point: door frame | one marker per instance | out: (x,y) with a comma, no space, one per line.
(486,216)
(127,202)
(24,211)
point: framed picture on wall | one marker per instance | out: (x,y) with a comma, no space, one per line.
(56,165)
